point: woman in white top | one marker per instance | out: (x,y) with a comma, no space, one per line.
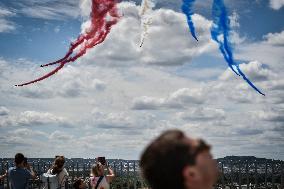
(59,170)
(98,175)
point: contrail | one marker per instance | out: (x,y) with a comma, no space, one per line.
(221,28)
(146,20)
(187,10)
(104,15)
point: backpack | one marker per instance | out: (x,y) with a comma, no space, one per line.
(50,181)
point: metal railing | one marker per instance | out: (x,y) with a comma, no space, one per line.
(233,174)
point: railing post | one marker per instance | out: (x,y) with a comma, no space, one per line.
(231,174)
(135,175)
(77,169)
(49,165)
(2,171)
(8,185)
(44,167)
(255,174)
(282,175)
(240,174)
(40,171)
(127,169)
(247,174)
(121,168)
(223,175)
(115,168)
(272,179)
(84,171)
(128,178)
(73,171)
(38,168)
(266,167)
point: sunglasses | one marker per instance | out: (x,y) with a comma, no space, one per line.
(201,147)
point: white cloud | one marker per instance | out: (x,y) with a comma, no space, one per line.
(75,82)
(273,115)
(120,49)
(4,111)
(33,118)
(5,12)
(146,102)
(60,136)
(275,38)
(234,20)
(276,4)
(5,24)
(85,8)
(181,98)
(25,132)
(254,70)
(57,29)
(50,10)
(202,114)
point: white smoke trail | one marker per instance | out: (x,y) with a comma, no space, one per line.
(146,19)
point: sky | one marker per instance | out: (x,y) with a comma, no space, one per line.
(118,97)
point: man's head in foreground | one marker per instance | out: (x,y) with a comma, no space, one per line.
(174,160)
(19,160)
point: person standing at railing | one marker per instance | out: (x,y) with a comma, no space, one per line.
(21,173)
(174,160)
(59,172)
(99,180)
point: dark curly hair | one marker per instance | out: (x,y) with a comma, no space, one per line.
(19,158)
(58,165)
(163,161)
(77,183)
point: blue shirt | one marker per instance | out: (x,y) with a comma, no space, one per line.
(19,177)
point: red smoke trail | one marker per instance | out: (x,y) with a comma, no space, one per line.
(103,16)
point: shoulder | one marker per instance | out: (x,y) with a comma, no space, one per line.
(25,172)
(65,172)
(11,169)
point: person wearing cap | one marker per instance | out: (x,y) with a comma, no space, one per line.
(21,173)
(174,160)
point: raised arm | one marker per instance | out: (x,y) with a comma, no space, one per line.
(32,173)
(110,176)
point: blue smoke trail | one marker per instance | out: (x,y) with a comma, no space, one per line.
(187,10)
(221,27)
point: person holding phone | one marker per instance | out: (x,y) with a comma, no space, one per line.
(21,173)
(100,180)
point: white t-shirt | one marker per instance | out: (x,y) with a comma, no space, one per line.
(103,184)
(62,176)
